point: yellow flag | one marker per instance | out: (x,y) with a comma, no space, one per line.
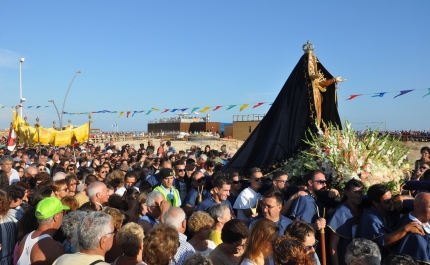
(120,114)
(63,138)
(244,106)
(157,109)
(81,133)
(46,136)
(205,109)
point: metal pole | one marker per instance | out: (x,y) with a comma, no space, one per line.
(20,83)
(64,103)
(58,113)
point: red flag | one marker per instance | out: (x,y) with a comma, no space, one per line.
(128,113)
(217,107)
(258,105)
(353,96)
(11,140)
(166,110)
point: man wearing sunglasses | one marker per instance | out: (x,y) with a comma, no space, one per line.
(196,193)
(378,223)
(179,182)
(308,208)
(344,221)
(246,202)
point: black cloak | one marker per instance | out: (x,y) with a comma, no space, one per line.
(282,130)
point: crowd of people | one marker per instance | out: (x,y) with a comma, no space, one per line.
(157,206)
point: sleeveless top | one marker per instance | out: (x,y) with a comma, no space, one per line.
(28,245)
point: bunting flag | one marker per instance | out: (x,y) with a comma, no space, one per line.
(353,96)
(184,109)
(3,106)
(427,93)
(231,106)
(38,107)
(46,106)
(29,107)
(194,109)
(205,109)
(166,110)
(157,109)
(114,111)
(258,105)
(65,112)
(149,111)
(379,95)
(404,92)
(120,114)
(216,108)
(128,113)
(244,106)
(173,110)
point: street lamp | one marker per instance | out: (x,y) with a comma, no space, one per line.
(21,100)
(64,103)
(58,113)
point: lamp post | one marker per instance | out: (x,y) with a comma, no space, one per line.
(64,103)
(58,113)
(21,100)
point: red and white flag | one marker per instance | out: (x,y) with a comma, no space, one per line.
(11,140)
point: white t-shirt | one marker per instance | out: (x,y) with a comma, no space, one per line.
(14,177)
(247,198)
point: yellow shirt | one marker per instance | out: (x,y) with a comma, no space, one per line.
(216,237)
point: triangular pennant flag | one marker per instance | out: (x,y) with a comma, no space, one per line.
(134,112)
(155,109)
(194,109)
(216,108)
(353,96)
(231,106)
(114,111)
(46,106)
(38,107)
(258,105)
(128,113)
(65,112)
(94,112)
(244,106)
(173,110)
(205,109)
(29,107)
(184,109)
(166,110)
(120,114)
(404,92)
(379,95)
(3,106)
(149,111)
(427,93)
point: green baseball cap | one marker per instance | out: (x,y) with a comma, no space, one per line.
(48,207)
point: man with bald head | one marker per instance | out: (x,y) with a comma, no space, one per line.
(416,245)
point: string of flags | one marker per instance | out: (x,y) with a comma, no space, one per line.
(214,108)
(382,94)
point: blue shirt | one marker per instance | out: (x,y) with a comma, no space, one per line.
(192,195)
(282,223)
(208,202)
(304,208)
(153,180)
(414,245)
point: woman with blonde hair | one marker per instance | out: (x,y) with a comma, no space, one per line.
(258,249)
(200,224)
(60,188)
(117,218)
(290,251)
(130,240)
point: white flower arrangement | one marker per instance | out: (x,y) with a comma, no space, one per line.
(343,155)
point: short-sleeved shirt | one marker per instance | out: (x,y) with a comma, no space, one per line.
(208,202)
(247,198)
(192,195)
(282,223)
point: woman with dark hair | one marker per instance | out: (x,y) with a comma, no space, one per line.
(234,235)
(72,182)
(8,230)
(95,163)
(20,171)
(207,151)
(138,209)
(258,248)
(209,167)
(4,181)
(425,158)
(64,164)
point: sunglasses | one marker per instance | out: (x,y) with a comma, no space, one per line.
(357,192)
(71,169)
(65,189)
(321,181)
(387,201)
(200,180)
(314,246)
(103,172)
(257,179)
(180,170)
(236,182)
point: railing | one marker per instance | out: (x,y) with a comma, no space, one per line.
(250,117)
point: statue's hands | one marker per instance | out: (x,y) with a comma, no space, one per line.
(339,79)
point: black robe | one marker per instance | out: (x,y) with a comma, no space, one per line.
(282,130)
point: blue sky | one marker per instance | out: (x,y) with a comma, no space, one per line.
(135,55)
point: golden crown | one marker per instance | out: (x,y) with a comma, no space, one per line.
(308,47)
